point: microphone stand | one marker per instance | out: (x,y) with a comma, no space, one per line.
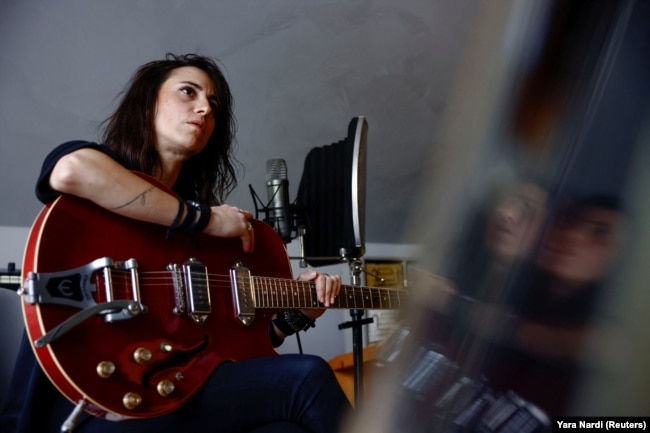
(356,314)
(357,336)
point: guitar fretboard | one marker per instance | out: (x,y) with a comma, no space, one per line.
(280,293)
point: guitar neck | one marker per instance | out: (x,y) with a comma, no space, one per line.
(283,293)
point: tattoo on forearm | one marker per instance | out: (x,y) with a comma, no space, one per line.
(140,197)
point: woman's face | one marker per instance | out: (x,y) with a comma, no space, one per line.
(515,223)
(184,120)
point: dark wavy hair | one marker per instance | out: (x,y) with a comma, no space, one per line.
(207,177)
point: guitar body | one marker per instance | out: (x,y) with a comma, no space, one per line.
(72,232)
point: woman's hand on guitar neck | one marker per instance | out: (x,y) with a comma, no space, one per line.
(327,289)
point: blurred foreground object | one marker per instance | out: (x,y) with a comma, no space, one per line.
(556,92)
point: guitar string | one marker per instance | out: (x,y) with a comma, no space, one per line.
(164,278)
(226,277)
(359,296)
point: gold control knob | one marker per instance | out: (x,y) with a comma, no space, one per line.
(105,369)
(131,400)
(165,387)
(142,355)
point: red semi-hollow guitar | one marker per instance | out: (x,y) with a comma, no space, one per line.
(131,323)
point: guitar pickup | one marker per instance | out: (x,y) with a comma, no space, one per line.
(197,291)
(243,293)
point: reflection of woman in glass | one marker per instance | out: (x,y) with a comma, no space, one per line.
(502,241)
(543,354)
(514,225)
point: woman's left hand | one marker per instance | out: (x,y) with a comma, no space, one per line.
(327,289)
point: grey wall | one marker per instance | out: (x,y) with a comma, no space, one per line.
(299,72)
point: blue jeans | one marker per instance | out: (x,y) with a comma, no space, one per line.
(300,389)
(283,393)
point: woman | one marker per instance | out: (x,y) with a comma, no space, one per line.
(175,123)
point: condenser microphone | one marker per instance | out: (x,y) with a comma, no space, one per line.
(278,205)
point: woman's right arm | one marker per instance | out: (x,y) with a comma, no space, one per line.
(95,176)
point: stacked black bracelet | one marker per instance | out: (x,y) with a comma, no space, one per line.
(291,321)
(203,219)
(190,224)
(177,219)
